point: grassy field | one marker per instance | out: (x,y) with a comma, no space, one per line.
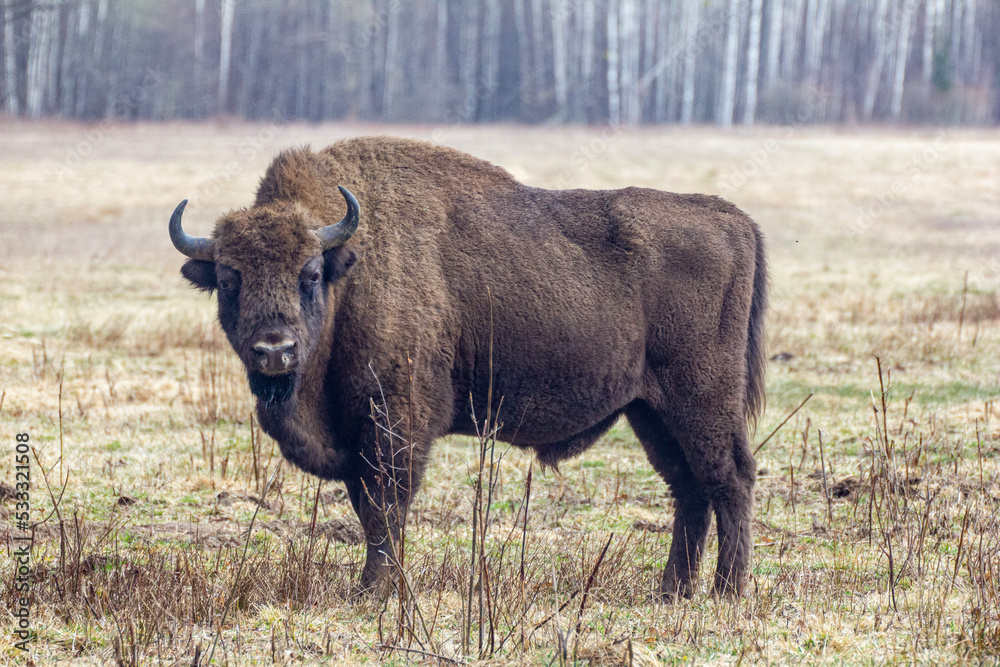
(157,538)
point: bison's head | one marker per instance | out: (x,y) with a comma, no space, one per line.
(270,266)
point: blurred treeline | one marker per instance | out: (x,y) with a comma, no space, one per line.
(580,61)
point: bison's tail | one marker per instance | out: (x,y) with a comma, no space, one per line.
(756,354)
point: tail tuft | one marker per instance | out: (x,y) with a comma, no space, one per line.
(756,353)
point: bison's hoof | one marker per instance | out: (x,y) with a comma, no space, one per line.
(727,588)
(671,590)
(371,590)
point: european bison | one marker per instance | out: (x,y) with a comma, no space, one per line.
(585,304)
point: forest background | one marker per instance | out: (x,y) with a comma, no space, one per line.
(527,61)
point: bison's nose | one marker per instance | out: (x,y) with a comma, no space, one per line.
(275,357)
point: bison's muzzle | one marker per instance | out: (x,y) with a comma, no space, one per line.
(275,355)
(272,366)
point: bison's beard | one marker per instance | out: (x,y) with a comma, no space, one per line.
(272,390)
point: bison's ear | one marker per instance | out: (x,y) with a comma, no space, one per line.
(337,263)
(200,273)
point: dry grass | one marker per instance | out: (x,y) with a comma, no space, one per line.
(881,545)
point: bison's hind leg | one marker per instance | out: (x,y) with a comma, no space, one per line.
(733,500)
(692,506)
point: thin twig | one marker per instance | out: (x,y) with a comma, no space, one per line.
(55,501)
(961,315)
(778,428)
(427,654)
(548,618)
(61,374)
(524,539)
(826,489)
(586,594)
(307,555)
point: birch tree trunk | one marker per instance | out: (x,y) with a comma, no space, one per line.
(625,59)
(753,63)
(101,50)
(969,42)
(880,38)
(390,75)
(225,52)
(811,29)
(629,57)
(586,56)
(941,14)
(116,53)
(538,50)
(790,40)
(574,48)
(53,59)
(69,59)
(39,52)
(774,40)
(673,48)
(559,11)
(82,88)
(899,62)
(817,19)
(441,56)
(727,94)
(523,56)
(197,104)
(12,99)
(668,26)
(838,23)
(318,69)
(361,59)
(468,60)
(491,59)
(268,85)
(955,40)
(248,103)
(690,54)
(927,55)
(614,99)
(301,55)
(649,22)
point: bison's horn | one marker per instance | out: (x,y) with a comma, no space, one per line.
(192,246)
(332,236)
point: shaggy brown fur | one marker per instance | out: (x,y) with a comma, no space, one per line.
(628,302)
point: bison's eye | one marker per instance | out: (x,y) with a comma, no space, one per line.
(311,276)
(227,279)
(311,279)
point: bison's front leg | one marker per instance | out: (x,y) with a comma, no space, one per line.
(381,496)
(382,529)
